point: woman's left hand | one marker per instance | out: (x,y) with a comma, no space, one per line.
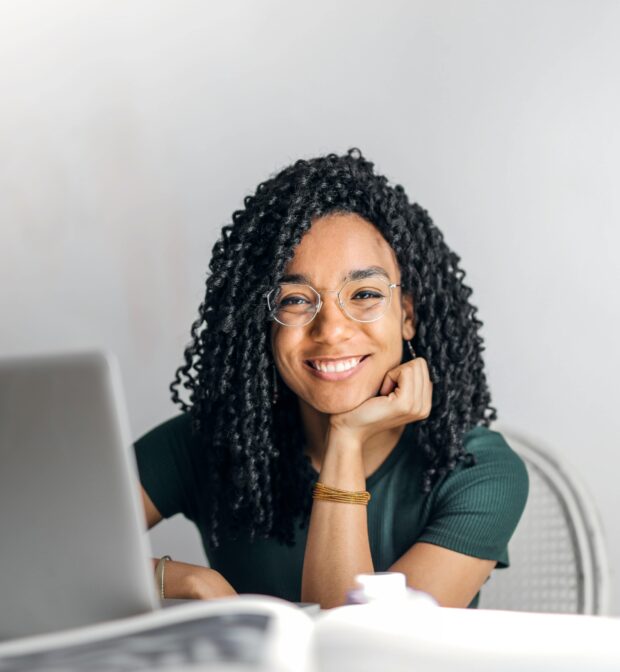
(405,396)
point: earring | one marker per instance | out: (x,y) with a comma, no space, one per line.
(411,350)
(274,398)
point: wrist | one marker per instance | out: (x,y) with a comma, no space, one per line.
(343,439)
(343,462)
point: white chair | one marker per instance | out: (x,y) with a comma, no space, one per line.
(558,560)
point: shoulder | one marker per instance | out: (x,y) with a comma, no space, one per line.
(169,446)
(175,431)
(492,451)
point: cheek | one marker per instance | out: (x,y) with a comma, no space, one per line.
(283,346)
(389,337)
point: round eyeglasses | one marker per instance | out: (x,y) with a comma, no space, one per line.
(295,305)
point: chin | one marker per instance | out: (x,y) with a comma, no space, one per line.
(333,406)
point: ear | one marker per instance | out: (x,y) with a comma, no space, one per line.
(408,318)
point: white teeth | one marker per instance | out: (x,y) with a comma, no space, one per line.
(344,365)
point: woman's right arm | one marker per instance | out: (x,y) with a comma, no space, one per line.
(150,510)
(182,580)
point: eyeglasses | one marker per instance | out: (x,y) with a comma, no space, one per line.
(295,305)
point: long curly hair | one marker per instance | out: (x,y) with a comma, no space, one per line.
(255,476)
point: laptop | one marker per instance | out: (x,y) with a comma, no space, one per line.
(73,543)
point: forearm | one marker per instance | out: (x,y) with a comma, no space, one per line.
(337,546)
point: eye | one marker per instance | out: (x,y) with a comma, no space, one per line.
(368,294)
(292,300)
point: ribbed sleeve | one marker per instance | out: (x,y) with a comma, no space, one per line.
(475,510)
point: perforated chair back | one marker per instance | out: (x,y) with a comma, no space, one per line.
(558,560)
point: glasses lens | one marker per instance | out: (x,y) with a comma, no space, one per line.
(294,304)
(366,300)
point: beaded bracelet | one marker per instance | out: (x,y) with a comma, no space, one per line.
(322,491)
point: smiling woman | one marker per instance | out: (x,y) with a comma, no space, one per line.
(338,413)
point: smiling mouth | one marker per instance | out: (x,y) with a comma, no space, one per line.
(336,371)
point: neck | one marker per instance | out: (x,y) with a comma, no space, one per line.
(374,451)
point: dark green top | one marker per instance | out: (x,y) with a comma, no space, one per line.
(473,510)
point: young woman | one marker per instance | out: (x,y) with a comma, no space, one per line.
(336,414)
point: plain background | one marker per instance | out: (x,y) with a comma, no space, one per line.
(130,132)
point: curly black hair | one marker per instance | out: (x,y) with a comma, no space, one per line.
(255,475)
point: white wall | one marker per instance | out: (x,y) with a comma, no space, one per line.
(130,131)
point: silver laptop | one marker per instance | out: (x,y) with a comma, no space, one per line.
(73,548)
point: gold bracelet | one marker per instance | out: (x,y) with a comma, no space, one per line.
(159,574)
(322,491)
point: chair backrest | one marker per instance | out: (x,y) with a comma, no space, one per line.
(558,560)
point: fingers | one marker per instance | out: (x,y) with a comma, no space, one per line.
(428,393)
(426,396)
(389,383)
(412,388)
(405,396)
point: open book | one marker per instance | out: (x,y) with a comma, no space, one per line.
(263,633)
(242,633)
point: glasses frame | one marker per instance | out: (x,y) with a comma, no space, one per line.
(319,305)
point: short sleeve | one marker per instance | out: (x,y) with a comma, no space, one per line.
(475,509)
(165,463)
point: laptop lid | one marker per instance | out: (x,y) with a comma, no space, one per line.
(73,548)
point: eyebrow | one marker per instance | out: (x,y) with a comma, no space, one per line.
(355,274)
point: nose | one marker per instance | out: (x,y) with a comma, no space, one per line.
(331,324)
